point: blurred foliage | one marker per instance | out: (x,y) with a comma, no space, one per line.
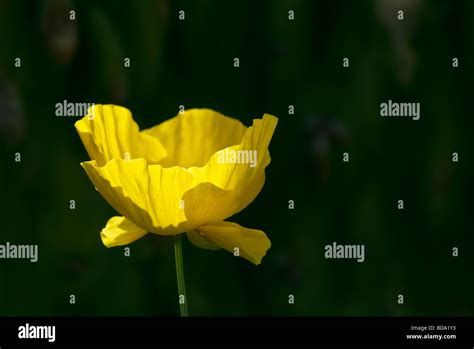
(282,63)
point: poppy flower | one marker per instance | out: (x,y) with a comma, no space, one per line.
(186,175)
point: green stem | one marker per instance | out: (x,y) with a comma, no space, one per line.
(178,255)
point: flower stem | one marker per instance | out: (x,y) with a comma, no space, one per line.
(178,255)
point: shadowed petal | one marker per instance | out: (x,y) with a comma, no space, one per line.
(252,244)
(198,239)
(120,231)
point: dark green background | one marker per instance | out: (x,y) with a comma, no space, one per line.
(282,62)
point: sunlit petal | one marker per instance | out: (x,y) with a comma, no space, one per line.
(109,132)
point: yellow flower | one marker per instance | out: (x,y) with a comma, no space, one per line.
(185,175)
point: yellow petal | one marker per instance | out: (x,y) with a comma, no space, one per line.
(109,132)
(252,244)
(198,239)
(161,200)
(120,231)
(171,200)
(193,136)
(245,179)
